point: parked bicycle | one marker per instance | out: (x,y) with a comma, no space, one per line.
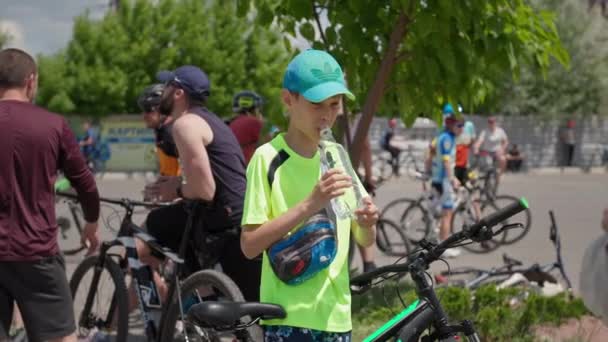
(390,240)
(419,218)
(513,272)
(383,168)
(160,319)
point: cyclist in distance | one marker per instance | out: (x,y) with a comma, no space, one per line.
(166,150)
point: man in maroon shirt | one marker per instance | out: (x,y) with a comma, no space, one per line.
(34,145)
(247,126)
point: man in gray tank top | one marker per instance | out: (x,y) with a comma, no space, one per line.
(213,171)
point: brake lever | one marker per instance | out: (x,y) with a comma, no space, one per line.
(484,234)
(508,227)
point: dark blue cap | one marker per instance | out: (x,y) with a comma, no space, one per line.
(190,78)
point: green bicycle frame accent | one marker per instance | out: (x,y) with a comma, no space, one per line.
(393,321)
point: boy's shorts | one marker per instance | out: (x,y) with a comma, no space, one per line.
(282,333)
(446,194)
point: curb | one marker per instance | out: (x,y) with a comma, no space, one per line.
(568,171)
(126,176)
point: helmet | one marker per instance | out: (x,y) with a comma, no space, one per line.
(246,101)
(150,97)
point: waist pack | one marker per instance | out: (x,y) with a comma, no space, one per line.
(307,251)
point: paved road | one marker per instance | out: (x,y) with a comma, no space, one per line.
(577,201)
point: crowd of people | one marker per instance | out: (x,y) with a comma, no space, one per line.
(258,188)
(264,191)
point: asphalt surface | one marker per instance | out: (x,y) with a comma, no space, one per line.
(576,199)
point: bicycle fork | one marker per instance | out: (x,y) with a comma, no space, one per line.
(443,332)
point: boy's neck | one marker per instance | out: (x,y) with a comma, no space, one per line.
(300,143)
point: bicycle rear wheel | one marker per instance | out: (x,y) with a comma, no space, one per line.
(196,288)
(410,216)
(111,321)
(464,215)
(512,236)
(391,240)
(70,220)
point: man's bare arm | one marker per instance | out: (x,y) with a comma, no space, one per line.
(191,134)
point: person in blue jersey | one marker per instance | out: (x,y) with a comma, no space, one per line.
(443,178)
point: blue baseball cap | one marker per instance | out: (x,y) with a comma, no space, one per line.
(192,79)
(315,75)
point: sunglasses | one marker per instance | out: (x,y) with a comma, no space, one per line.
(460,125)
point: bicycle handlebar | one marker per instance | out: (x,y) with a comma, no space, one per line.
(123,202)
(435,252)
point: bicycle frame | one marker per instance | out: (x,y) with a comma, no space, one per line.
(423,313)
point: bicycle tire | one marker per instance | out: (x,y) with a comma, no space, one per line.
(381,167)
(68,224)
(383,239)
(462,271)
(219,281)
(120,293)
(423,229)
(476,248)
(511,236)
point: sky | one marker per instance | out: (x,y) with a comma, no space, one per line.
(44,26)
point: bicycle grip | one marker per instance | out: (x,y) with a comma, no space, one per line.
(501,215)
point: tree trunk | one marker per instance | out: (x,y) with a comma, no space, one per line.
(374,95)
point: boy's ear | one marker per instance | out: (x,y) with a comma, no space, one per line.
(287,98)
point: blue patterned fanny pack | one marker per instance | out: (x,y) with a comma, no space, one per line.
(304,253)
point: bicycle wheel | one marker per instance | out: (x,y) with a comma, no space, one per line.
(70,220)
(111,321)
(391,240)
(411,217)
(525,217)
(196,288)
(382,168)
(464,215)
(491,182)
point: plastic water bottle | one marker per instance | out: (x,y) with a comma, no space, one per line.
(328,161)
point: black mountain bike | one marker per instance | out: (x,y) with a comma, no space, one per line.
(159,319)
(426,313)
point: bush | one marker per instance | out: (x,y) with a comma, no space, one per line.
(493,311)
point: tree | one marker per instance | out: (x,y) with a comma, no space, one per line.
(410,56)
(576,90)
(108,62)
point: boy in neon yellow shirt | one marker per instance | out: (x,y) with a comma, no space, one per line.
(287,192)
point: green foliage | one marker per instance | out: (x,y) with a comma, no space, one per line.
(108,62)
(4,38)
(578,89)
(453,50)
(490,309)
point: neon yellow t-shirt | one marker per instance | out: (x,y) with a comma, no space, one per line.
(278,179)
